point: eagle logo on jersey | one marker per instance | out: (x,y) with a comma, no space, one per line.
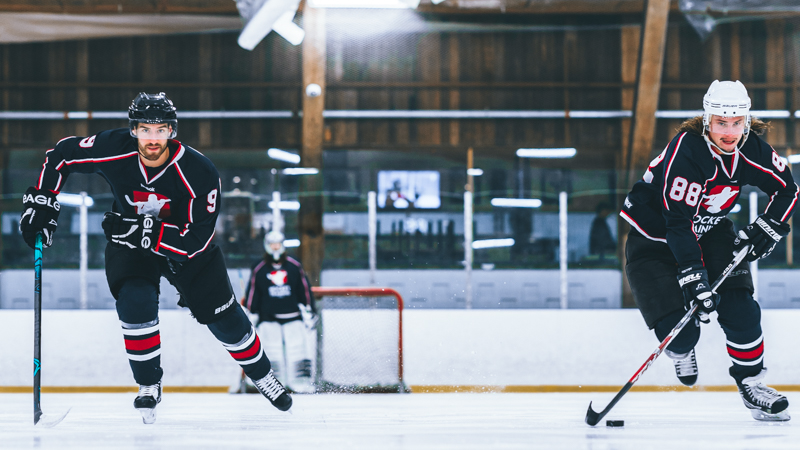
(150,203)
(719,198)
(278,277)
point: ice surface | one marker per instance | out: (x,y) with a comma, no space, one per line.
(671,420)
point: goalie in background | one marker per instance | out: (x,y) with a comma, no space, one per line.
(279,294)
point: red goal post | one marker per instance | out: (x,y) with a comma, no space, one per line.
(363,385)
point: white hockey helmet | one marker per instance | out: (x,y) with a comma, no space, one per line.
(726,99)
(274,237)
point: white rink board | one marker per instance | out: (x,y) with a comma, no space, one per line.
(442,347)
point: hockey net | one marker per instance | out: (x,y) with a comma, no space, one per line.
(360,340)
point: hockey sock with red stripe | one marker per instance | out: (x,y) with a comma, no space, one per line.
(740,318)
(239,338)
(143,345)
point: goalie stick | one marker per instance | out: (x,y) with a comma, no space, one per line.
(38,417)
(593,417)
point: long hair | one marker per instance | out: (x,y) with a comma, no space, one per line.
(695,125)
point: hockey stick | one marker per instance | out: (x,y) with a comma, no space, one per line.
(38,416)
(592,417)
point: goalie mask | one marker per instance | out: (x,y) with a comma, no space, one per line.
(273,244)
(152,109)
(726,99)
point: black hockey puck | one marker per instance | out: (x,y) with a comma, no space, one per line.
(615,423)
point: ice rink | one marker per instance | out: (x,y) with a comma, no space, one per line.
(670,420)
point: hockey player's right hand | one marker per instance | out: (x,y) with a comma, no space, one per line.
(131,231)
(40,215)
(697,290)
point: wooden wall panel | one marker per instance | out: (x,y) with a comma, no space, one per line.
(429,132)
(776,73)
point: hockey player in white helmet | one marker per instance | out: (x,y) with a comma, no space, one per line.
(280,294)
(681,239)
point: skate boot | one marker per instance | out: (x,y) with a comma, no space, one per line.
(146,401)
(302,382)
(685,366)
(271,388)
(764,402)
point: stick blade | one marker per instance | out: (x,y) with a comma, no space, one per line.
(50,420)
(592,418)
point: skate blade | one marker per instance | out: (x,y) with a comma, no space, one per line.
(148,415)
(782,416)
(50,420)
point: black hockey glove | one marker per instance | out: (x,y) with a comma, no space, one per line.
(131,231)
(40,216)
(697,289)
(764,234)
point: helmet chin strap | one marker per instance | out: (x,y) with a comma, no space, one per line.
(736,148)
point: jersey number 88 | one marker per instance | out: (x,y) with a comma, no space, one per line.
(679,190)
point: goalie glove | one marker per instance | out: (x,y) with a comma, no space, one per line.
(40,216)
(131,231)
(310,319)
(763,234)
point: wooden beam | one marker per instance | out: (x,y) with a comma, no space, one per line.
(651,61)
(312,238)
(776,98)
(226,7)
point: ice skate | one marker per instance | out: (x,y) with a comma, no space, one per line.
(146,401)
(765,403)
(685,366)
(271,388)
(302,382)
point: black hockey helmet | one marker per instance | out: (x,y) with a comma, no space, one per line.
(152,108)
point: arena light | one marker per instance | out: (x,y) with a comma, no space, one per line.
(262,16)
(282,155)
(475,172)
(492,243)
(291,243)
(74,199)
(794,159)
(372,4)
(516,202)
(286,205)
(546,152)
(300,171)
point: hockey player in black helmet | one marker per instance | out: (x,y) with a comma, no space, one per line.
(681,239)
(280,294)
(166,203)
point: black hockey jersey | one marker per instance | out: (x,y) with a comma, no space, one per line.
(689,188)
(274,292)
(183,193)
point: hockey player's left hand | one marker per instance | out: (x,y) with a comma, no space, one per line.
(697,290)
(763,234)
(310,319)
(132,231)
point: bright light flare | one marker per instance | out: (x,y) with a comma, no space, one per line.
(492,243)
(516,202)
(546,152)
(287,205)
(74,199)
(300,171)
(282,155)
